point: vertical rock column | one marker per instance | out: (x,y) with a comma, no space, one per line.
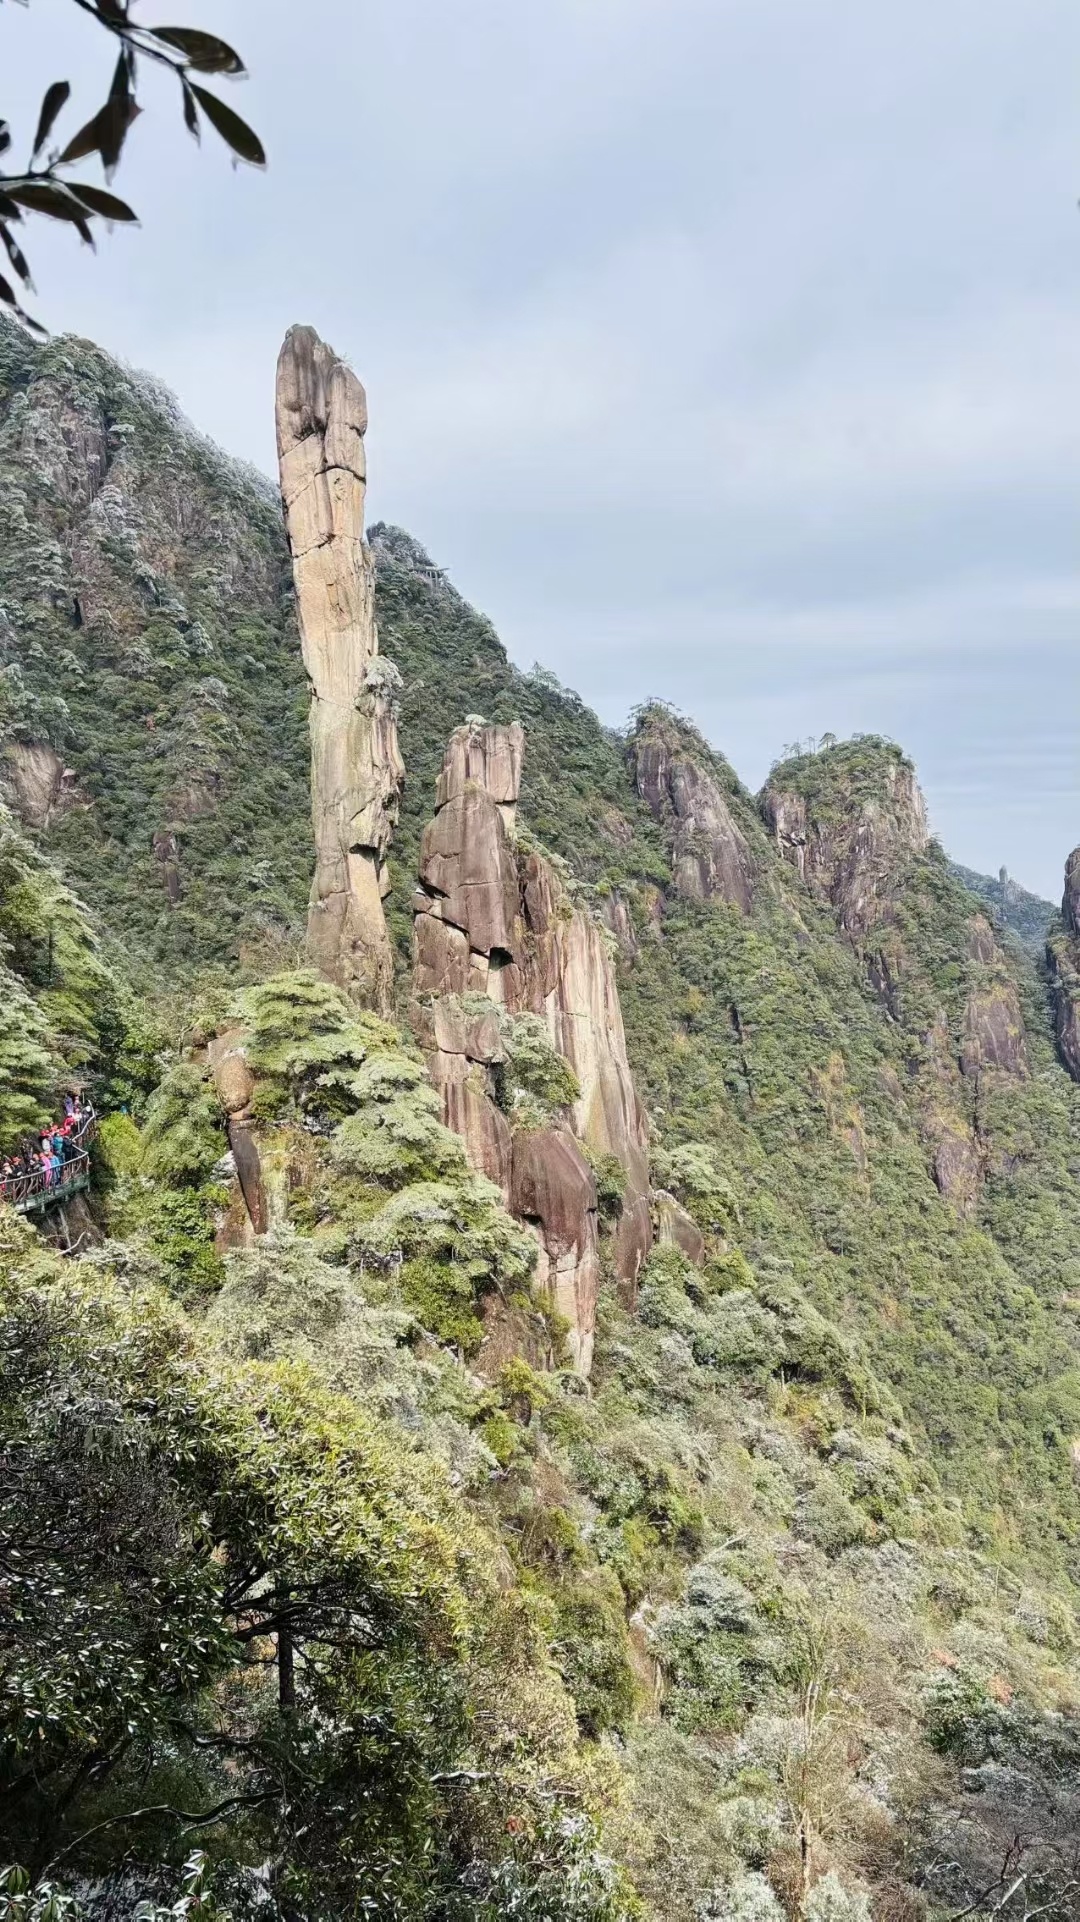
(356,769)
(494,925)
(1063,962)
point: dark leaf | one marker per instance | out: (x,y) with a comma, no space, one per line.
(42,199)
(54,99)
(8,209)
(235,132)
(191,111)
(15,255)
(99,202)
(105,133)
(5,136)
(124,75)
(112,10)
(203,51)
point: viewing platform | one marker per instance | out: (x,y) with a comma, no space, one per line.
(34,1194)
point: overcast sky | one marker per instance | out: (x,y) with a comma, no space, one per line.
(724,350)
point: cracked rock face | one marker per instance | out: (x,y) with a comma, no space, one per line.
(554,1193)
(852,857)
(356,768)
(710,860)
(494,925)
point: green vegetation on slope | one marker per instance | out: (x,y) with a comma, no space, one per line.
(1016,910)
(795,1578)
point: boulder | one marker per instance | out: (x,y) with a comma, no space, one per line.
(356,769)
(234,1083)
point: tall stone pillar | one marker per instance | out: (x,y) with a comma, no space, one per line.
(356,769)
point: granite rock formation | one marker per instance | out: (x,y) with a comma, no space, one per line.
(710,859)
(553,1191)
(495,930)
(1063,964)
(564,972)
(993,1034)
(234,1085)
(356,769)
(852,856)
(676,1228)
(41,786)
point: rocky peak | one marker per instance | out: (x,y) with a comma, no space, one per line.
(848,818)
(710,857)
(356,769)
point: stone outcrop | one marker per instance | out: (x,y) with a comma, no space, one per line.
(554,1193)
(617,918)
(495,929)
(166,850)
(710,859)
(234,1085)
(1070,901)
(1063,965)
(564,973)
(463,1046)
(41,786)
(993,1035)
(850,853)
(356,769)
(676,1228)
(956,1165)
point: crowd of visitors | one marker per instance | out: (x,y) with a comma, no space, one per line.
(41,1163)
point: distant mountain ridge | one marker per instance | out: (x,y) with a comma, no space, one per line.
(1025,915)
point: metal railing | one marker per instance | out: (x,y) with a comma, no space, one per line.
(41,1187)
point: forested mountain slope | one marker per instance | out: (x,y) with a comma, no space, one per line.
(1025,915)
(779,1611)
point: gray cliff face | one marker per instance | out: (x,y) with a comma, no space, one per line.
(852,857)
(710,860)
(356,769)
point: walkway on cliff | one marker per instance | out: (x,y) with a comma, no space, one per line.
(32,1191)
